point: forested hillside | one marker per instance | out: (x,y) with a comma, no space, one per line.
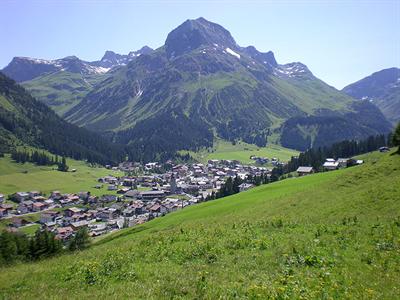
(26,121)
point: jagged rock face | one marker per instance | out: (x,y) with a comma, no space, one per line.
(193,34)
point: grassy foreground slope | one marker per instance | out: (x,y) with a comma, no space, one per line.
(17,177)
(332,235)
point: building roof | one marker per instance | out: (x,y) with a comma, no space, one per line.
(80,224)
(131,193)
(62,230)
(330,164)
(151,193)
(74,209)
(304,169)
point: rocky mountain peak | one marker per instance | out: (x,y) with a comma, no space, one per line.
(193,34)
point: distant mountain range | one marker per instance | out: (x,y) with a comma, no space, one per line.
(199,85)
(381,88)
(62,83)
(26,68)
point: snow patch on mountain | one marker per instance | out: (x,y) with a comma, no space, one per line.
(231,52)
(291,70)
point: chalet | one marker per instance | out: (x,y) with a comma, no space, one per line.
(38,198)
(384,149)
(108,214)
(112,187)
(1,198)
(98,229)
(138,207)
(69,212)
(73,198)
(122,190)
(84,195)
(56,195)
(80,217)
(64,233)
(24,208)
(343,162)
(48,216)
(38,206)
(330,164)
(49,202)
(34,194)
(128,212)
(245,186)
(302,171)
(157,208)
(7,208)
(132,194)
(21,196)
(129,182)
(108,198)
(109,180)
(77,225)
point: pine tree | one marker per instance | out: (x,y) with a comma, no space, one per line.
(80,241)
(396,138)
(62,166)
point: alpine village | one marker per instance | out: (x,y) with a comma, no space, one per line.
(200,169)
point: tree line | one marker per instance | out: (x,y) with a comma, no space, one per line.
(40,159)
(16,246)
(315,157)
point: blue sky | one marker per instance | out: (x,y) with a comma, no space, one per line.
(340,41)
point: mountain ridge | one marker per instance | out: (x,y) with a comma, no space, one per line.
(17,68)
(217,88)
(381,88)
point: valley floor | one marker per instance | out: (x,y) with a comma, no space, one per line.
(242,152)
(17,177)
(333,235)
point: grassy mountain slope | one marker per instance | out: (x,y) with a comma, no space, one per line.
(62,90)
(218,89)
(383,89)
(26,121)
(330,235)
(17,177)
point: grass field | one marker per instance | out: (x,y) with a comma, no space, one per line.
(333,235)
(16,177)
(242,152)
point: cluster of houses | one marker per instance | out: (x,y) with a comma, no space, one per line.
(134,199)
(330,164)
(197,180)
(265,160)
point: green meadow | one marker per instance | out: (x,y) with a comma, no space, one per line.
(333,235)
(17,177)
(242,151)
